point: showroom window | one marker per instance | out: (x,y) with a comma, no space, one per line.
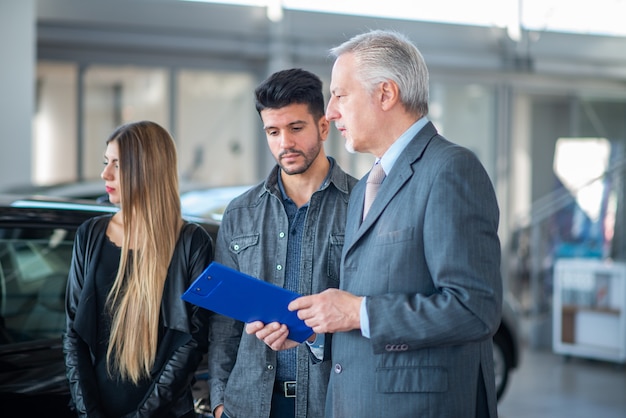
(210,114)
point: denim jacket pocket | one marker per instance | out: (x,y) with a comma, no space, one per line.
(335,246)
(240,243)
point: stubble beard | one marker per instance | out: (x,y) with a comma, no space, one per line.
(308,161)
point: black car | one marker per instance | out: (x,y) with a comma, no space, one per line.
(36,238)
(507,345)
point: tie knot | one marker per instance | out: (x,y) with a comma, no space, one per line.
(377,174)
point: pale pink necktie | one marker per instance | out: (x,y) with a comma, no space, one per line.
(374,179)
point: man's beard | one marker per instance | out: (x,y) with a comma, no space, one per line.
(308,160)
(349,147)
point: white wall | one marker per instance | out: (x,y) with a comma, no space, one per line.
(17,89)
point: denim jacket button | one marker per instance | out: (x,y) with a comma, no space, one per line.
(338,368)
(281,235)
(270,367)
(279,267)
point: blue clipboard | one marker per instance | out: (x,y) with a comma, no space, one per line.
(229,292)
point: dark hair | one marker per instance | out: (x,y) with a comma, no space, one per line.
(293,86)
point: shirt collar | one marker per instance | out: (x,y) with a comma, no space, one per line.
(391,155)
(324,184)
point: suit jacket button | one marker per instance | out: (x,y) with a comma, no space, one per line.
(389,347)
(404,347)
(338,368)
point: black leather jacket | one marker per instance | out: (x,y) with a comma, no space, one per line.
(186,325)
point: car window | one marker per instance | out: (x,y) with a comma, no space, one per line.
(34,264)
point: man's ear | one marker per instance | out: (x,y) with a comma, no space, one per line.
(324,127)
(389,94)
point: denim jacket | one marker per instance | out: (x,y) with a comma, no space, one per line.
(253,239)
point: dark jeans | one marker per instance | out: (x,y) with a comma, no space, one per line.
(282,407)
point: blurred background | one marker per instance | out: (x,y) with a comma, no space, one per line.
(536,88)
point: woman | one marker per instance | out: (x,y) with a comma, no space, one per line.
(131,344)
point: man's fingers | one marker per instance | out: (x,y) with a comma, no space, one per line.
(254,327)
(276,341)
(302,302)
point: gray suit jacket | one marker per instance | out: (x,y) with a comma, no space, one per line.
(428,259)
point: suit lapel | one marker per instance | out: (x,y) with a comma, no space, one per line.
(401,172)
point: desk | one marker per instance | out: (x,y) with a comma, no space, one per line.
(589,309)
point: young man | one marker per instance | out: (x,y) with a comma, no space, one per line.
(289,231)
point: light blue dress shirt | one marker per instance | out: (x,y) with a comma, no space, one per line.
(388,160)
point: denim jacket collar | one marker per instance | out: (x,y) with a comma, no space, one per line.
(336,176)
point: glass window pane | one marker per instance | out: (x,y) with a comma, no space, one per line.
(465,114)
(54,133)
(117,95)
(34,265)
(218,128)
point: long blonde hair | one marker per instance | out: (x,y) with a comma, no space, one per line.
(152,220)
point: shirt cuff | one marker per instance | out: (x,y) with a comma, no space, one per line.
(365,320)
(317,346)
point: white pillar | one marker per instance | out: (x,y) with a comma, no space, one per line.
(18,59)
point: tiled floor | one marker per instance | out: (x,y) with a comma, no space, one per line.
(548,385)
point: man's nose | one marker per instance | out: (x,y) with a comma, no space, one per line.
(331,112)
(286,140)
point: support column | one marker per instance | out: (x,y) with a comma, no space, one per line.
(18,23)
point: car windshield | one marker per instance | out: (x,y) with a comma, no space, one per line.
(209,203)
